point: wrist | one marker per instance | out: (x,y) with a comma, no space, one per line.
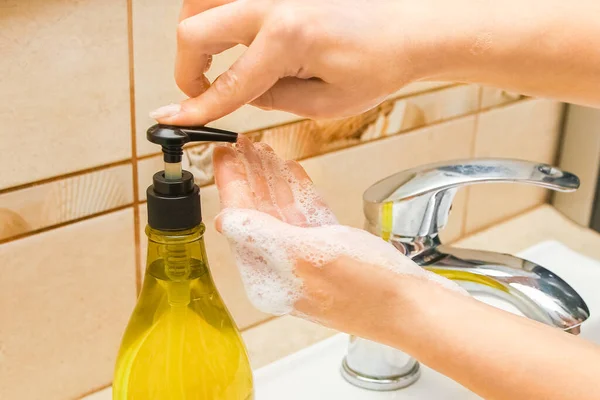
(424,307)
(446,41)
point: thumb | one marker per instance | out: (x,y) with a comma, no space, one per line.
(250,76)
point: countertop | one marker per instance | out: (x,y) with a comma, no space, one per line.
(282,336)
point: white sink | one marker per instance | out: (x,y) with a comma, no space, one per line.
(314,372)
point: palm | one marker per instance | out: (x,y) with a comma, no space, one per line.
(254,177)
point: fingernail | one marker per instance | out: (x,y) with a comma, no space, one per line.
(219,222)
(219,146)
(166,111)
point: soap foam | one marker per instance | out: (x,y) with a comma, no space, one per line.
(267,250)
(291,222)
(306,198)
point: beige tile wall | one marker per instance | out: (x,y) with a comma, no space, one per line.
(527,130)
(580,154)
(65,92)
(66,296)
(64,200)
(72,192)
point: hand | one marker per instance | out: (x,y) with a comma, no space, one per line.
(292,254)
(315,58)
(334,58)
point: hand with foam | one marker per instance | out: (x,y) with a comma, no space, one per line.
(293,255)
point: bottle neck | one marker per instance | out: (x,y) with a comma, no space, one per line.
(177,256)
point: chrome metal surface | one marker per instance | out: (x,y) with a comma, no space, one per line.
(382,383)
(409,208)
(535,291)
(423,195)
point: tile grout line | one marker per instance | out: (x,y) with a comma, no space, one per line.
(284,124)
(562,127)
(66,223)
(92,391)
(475,114)
(411,130)
(450,85)
(134,160)
(65,176)
(259,323)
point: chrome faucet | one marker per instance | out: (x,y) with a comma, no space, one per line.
(409,208)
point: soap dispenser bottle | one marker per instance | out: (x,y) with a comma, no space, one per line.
(181,342)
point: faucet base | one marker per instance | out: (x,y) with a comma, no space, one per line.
(381,384)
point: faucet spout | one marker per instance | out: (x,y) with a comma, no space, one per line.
(535,291)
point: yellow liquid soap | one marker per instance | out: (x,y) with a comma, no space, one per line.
(181,342)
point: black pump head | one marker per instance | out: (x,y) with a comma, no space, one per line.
(173,198)
(172,138)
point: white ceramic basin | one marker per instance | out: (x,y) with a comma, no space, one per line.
(314,373)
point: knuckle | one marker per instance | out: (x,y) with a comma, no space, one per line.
(288,24)
(192,86)
(185,31)
(181,80)
(181,83)
(228,83)
(266,101)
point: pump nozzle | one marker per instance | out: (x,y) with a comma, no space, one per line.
(173,198)
(172,138)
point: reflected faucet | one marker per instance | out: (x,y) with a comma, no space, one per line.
(409,208)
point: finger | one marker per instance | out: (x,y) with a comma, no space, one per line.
(299,173)
(250,76)
(211,32)
(312,205)
(231,179)
(257,177)
(278,183)
(193,7)
(304,97)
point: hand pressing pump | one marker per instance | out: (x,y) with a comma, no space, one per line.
(181,342)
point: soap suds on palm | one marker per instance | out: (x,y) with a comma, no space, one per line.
(267,248)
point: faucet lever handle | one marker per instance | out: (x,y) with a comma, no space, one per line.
(416,202)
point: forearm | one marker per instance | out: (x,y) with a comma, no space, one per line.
(537,47)
(494,353)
